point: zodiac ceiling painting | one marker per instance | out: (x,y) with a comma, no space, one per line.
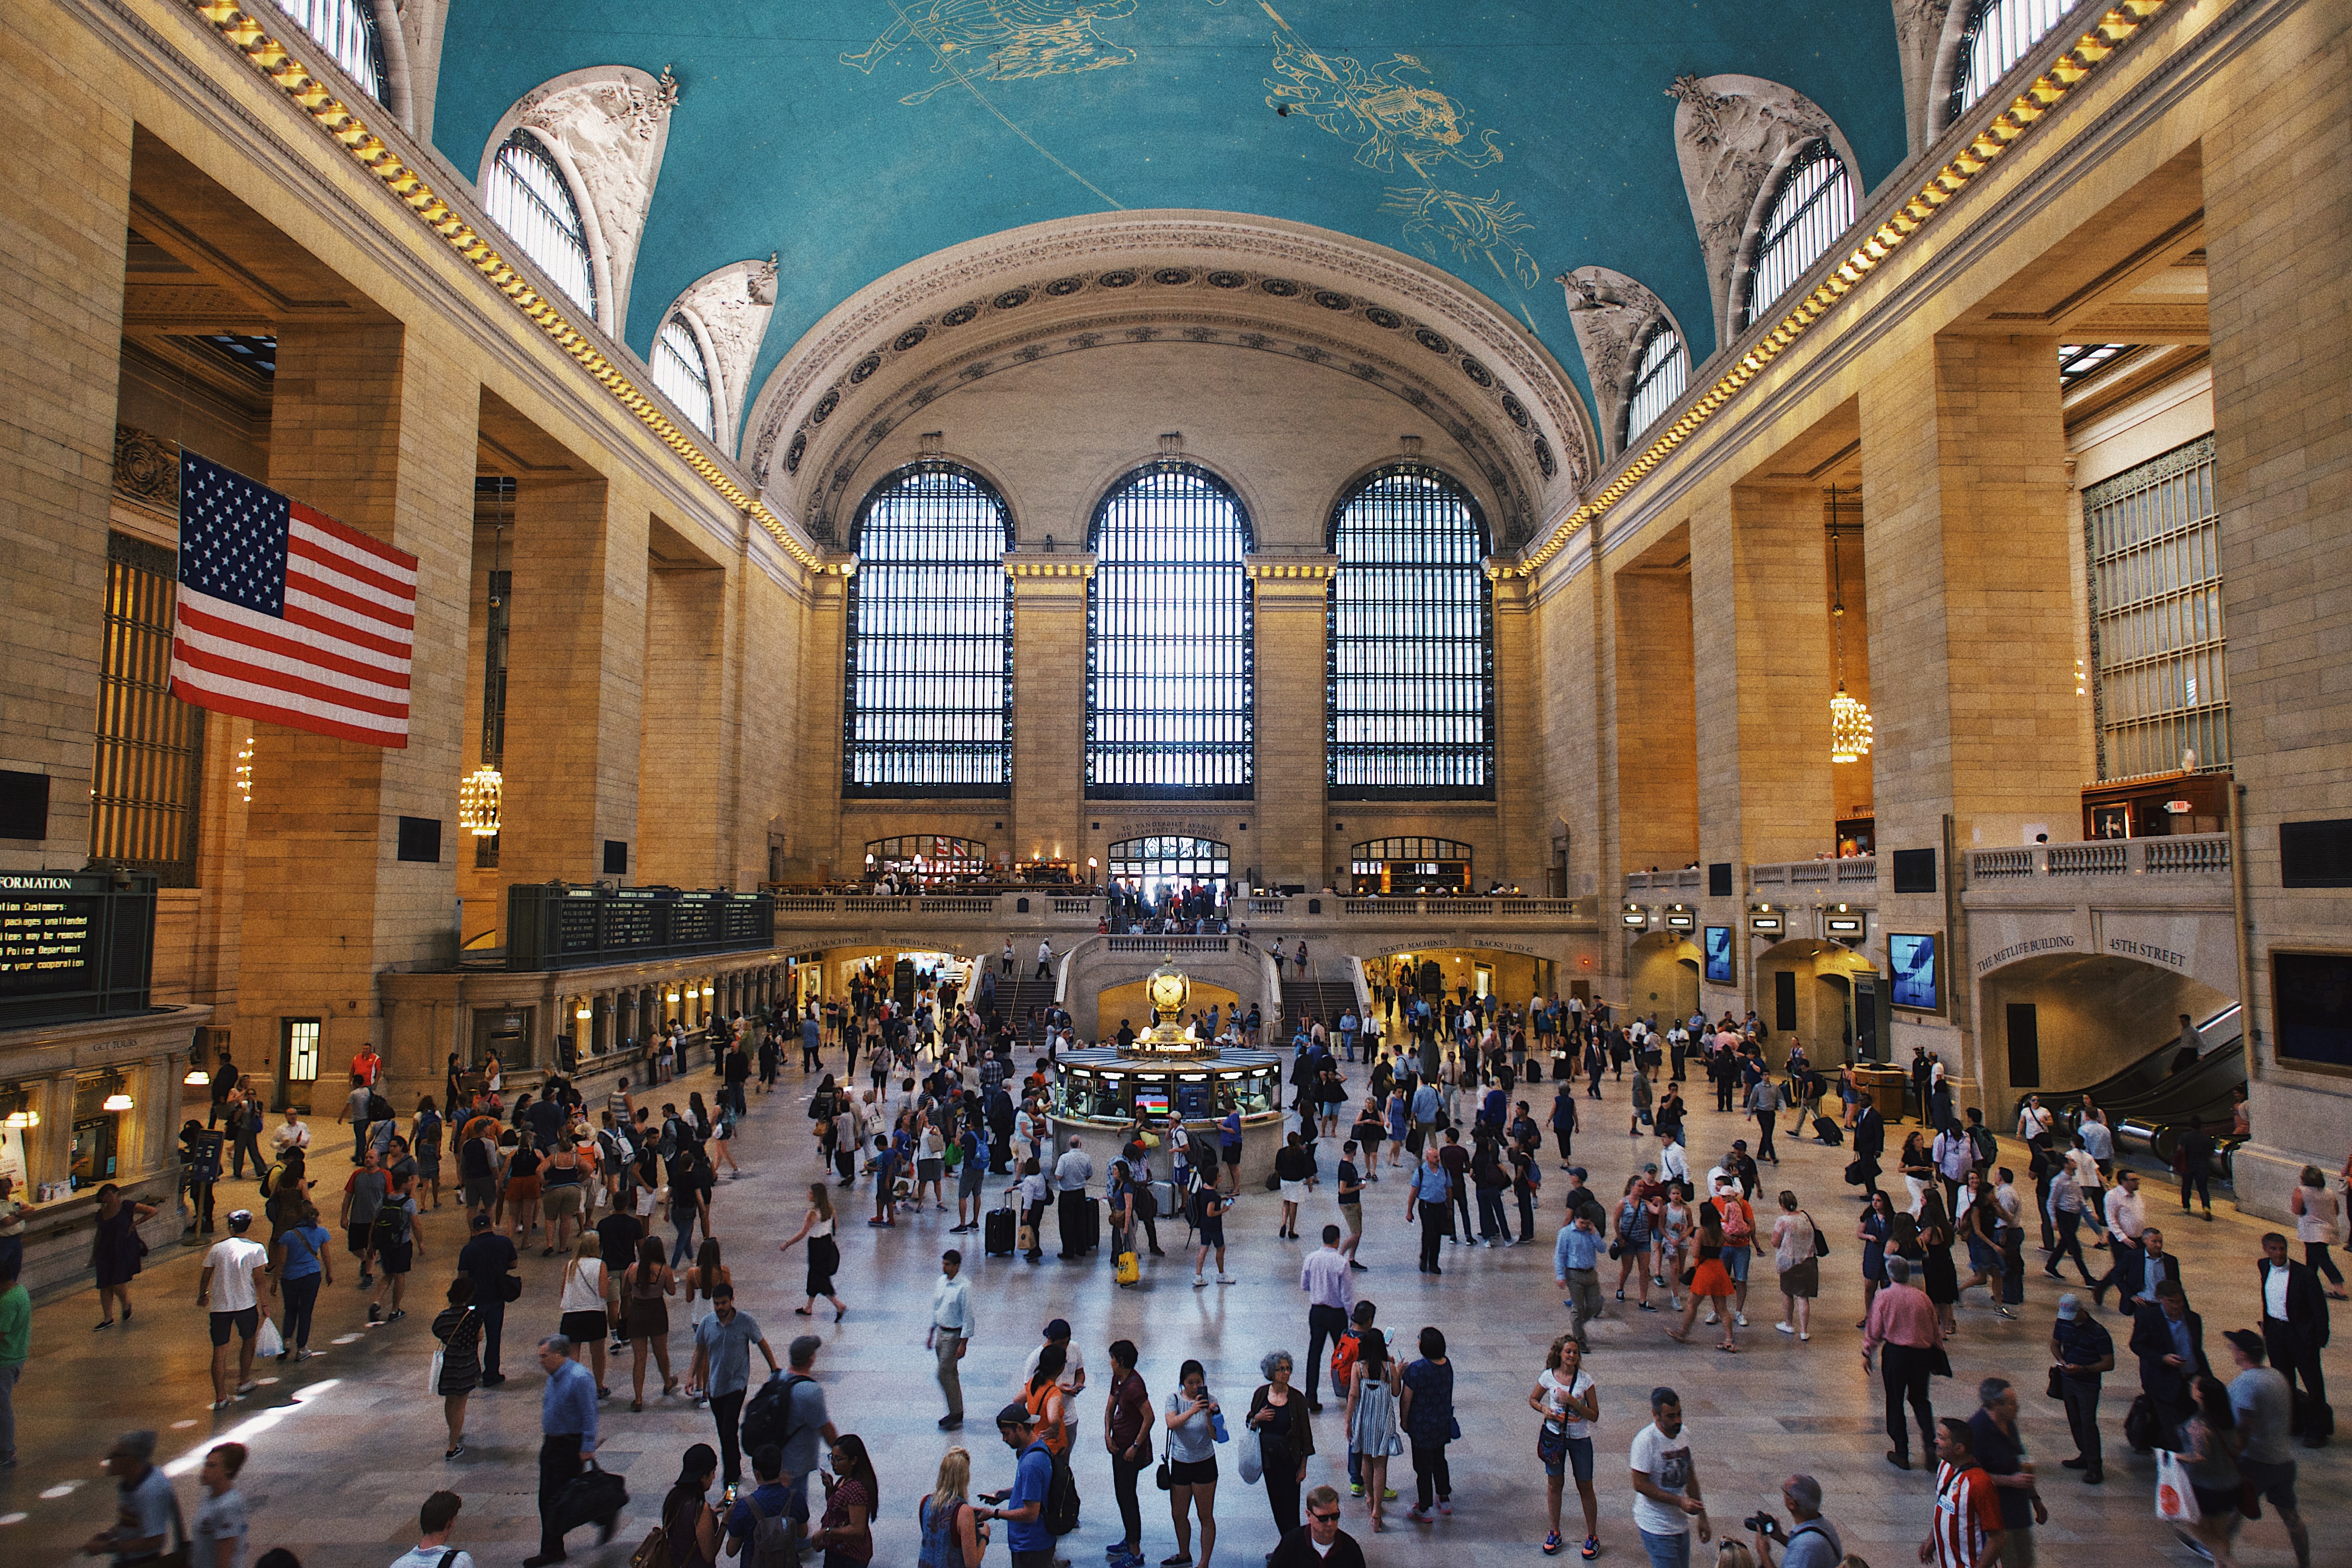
(1001,40)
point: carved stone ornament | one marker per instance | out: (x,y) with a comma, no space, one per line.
(1919,27)
(1730,133)
(610,125)
(732,307)
(1612,314)
(146,469)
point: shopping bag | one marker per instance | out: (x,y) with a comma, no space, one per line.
(268,1342)
(1130,1268)
(1248,1456)
(2176,1501)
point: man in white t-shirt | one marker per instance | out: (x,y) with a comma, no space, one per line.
(438,1520)
(231,1288)
(290,1134)
(1665,1484)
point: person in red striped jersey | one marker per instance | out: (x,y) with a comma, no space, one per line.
(1965,1531)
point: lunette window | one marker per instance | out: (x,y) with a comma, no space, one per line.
(2000,33)
(682,373)
(527,195)
(1410,642)
(1170,671)
(1660,376)
(346,30)
(1812,208)
(928,707)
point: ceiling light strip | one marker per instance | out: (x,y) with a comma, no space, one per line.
(289,76)
(2042,95)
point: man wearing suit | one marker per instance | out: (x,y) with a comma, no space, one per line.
(2294,1327)
(1869,1143)
(2169,1341)
(2156,1266)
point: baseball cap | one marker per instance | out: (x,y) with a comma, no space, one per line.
(2249,1342)
(1015,1414)
(2070,1306)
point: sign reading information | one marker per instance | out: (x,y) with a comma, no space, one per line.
(73,944)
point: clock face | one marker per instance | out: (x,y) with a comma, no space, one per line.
(1168,992)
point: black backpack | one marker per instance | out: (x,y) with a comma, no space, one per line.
(379,1108)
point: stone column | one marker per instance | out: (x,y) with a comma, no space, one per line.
(1049,705)
(1656,727)
(1972,635)
(684,743)
(2278,205)
(1289,822)
(368,425)
(1519,793)
(574,665)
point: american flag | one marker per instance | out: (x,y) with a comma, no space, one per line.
(286,614)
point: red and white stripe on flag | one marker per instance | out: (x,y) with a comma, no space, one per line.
(284,614)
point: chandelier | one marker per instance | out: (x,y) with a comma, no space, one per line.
(1848,718)
(482,793)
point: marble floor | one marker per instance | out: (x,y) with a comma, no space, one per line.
(347,1445)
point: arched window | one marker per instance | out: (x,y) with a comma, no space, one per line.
(1150,865)
(1410,866)
(2000,33)
(929,700)
(1411,658)
(346,30)
(1659,374)
(528,197)
(681,373)
(1169,678)
(1814,206)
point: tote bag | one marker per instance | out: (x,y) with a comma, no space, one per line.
(2176,1501)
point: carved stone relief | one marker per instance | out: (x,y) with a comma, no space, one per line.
(733,306)
(1612,314)
(146,469)
(1731,132)
(1919,44)
(610,126)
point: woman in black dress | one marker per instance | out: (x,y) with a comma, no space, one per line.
(116,1250)
(459,1327)
(1942,1280)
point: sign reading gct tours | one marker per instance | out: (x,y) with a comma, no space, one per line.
(74,944)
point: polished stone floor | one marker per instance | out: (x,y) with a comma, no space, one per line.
(345,1446)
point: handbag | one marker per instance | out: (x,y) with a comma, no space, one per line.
(589,1497)
(1821,1242)
(1551,1443)
(2176,1499)
(1159,1476)
(2057,1389)
(2142,1428)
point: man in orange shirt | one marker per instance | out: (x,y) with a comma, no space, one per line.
(367,1065)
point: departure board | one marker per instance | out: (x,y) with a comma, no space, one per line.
(553,926)
(74,944)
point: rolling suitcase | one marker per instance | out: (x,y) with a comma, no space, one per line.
(1828,1132)
(997,1236)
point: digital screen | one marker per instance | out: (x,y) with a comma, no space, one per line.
(1152,1100)
(2311,997)
(1719,955)
(1914,981)
(1194,1102)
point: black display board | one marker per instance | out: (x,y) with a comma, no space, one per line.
(74,944)
(553,925)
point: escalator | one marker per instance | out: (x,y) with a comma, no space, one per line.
(2149,1106)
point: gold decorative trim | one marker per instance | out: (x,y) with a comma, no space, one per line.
(1314,567)
(2107,35)
(1061,566)
(267,56)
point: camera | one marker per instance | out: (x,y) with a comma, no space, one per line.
(1763,1524)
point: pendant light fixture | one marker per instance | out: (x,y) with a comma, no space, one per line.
(481,797)
(1848,718)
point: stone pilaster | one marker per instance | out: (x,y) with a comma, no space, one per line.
(1049,704)
(1288,823)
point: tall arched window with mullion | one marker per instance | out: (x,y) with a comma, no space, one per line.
(1812,207)
(346,29)
(527,195)
(1171,673)
(1411,652)
(1998,33)
(929,701)
(1660,375)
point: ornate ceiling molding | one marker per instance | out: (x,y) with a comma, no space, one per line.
(831,449)
(1919,34)
(1213,271)
(729,310)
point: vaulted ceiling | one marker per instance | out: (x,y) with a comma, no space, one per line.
(1504,145)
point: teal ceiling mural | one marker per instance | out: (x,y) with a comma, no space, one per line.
(1505,143)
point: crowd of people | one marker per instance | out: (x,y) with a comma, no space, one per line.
(1448,1085)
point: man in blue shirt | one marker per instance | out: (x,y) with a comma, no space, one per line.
(567,1425)
(1430,1192)
(1023,1505)
(1576,1264)
(722,1369)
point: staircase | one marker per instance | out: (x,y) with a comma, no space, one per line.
(1324,999)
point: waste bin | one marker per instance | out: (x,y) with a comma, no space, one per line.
(1885,1086)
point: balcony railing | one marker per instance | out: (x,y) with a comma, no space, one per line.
(1685,882)
(1855,871)
(805,908)
(2186,854)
